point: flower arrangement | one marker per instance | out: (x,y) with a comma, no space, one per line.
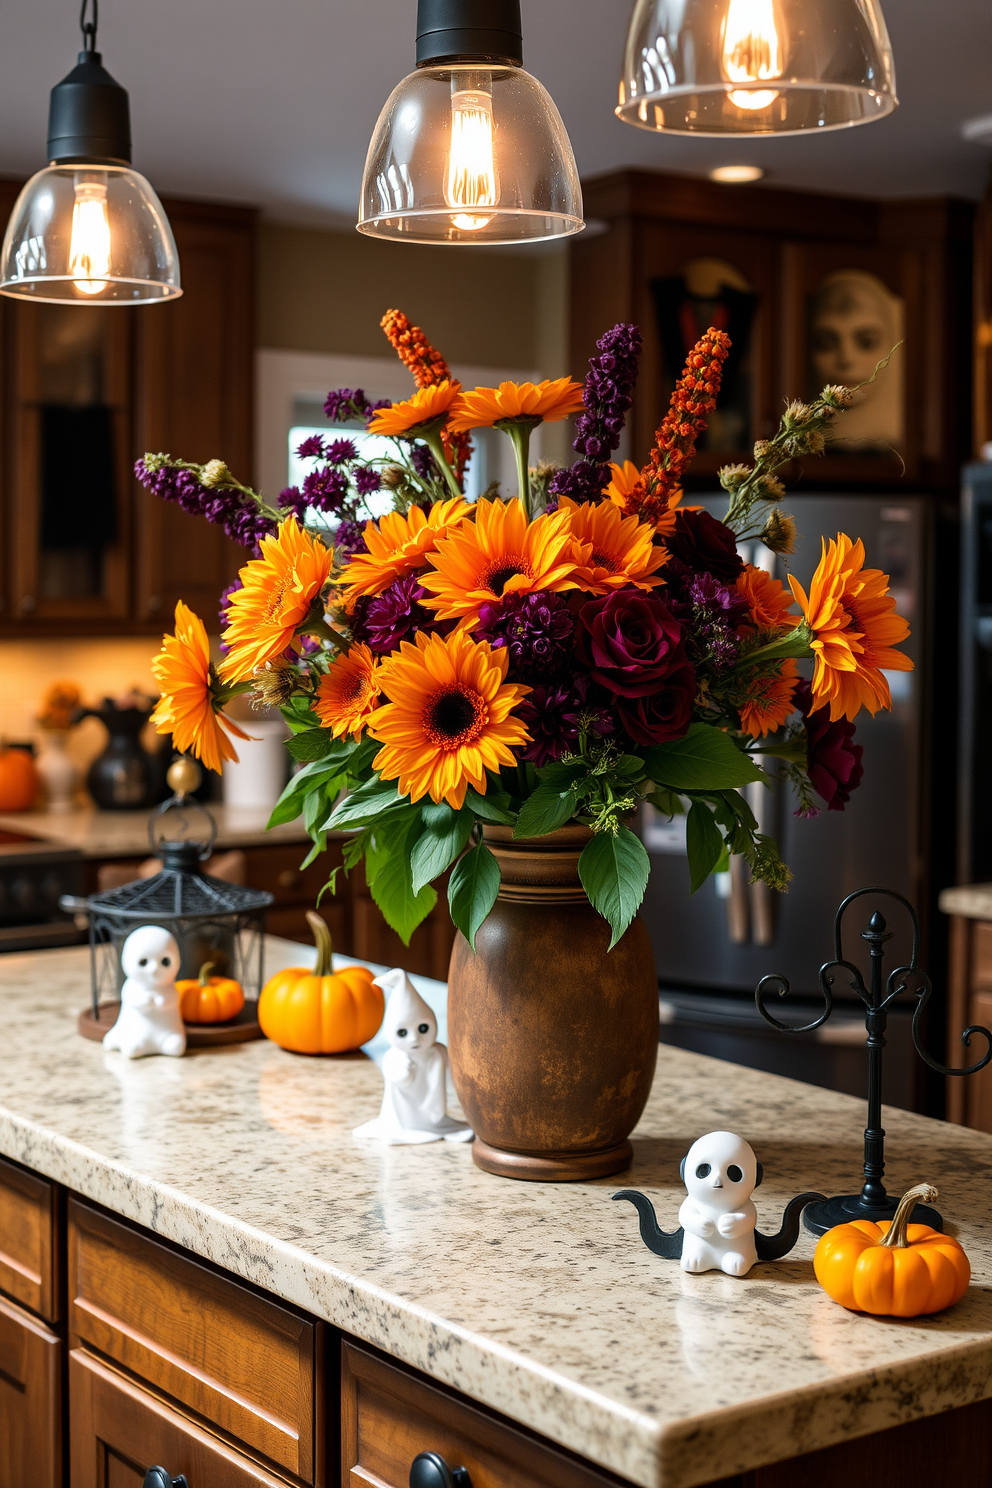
(557,654)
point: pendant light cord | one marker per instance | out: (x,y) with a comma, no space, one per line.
(88,28)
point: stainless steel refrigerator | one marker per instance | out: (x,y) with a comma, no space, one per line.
(713,947)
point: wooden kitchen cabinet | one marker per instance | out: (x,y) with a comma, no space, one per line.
(30,1401)
(30,1228)
(97,387)
(969,1004)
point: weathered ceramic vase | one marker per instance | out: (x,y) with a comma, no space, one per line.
(552,1038)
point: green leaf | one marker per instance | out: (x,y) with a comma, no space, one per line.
(669,803)
(562,773)
(472,890)
(392,885)
(290,803)
(319,846)
(299,715)
(705,759)
(492,807)
(441,842)
(544,811)
(703,844)
(614,871)
(628,767)
(310,744)
(387,836)
(365,804)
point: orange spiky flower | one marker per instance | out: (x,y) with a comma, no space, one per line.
(428,367)
(693,400)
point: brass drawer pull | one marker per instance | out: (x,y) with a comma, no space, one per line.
(429,1470)
(157,1477)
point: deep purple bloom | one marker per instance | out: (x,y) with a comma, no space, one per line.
(535,628)
(312,448)
(424,462)
(383,620)
(630,641)
(608,394)
(713,612)
(349,537)
(552,716)
(367,480)
(702,543)
(342,404)
(222,611)
(227,508)
(326,489)
(665,714)
(833,761)
(341,451)
(293,500)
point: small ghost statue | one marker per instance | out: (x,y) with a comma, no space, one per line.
(149,1021)
(720,1172)
(414,1068)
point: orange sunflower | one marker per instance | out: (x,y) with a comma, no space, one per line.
(627,491)
(426,405)
(450,718)
(770,702)
(768,600)
(543,402)
(276,594)
(348,692)
(189,708)
(498,553)
(398,545)
(611,550)
(855,631)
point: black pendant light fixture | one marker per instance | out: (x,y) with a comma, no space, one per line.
(470,148)
(719,67)
(89,230)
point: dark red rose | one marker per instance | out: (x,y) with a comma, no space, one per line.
(833,762)
(666,714)
(703,543)
(630,641)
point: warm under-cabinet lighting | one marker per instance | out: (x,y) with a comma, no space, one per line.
(736,175)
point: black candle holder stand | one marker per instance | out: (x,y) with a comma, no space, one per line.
(872,1202)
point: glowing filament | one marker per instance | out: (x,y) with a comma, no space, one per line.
(752,51)
(472,179)
(89,244)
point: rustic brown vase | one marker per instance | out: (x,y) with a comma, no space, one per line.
(553,1039)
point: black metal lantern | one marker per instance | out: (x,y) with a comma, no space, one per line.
(212,920)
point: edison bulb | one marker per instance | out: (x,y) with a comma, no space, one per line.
(752,51)
(89,244)
(472,177)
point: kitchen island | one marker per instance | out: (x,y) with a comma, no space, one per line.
(536,1302)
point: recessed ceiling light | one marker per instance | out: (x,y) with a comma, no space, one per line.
(736,174)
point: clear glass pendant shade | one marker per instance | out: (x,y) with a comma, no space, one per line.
(463,154)
(90,235)
(721,67)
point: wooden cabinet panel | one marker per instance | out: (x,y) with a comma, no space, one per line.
(30,1402)
(117,1431)
(28,1240)
(388,1416)
(246,1364)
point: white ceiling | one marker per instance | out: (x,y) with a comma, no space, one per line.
(273,101)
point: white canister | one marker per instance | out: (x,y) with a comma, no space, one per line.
(262,770)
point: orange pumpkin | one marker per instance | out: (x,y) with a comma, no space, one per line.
(321,1011)
(18,779)
(209,999)
(892,1269)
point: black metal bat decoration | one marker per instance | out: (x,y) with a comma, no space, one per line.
(669,1245)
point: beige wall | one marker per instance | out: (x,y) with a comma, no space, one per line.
(327,291)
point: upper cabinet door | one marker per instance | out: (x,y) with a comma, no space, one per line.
(194,394)
(68,427)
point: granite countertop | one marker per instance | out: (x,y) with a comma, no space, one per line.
(973,901)
(538,1300)
(123,834)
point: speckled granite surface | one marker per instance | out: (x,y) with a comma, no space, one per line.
(111,834)
(974,901)
(538,1300)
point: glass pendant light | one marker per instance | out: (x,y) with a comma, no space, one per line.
(470,148)
(88,230)
(721,67)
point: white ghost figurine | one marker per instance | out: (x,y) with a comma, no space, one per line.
(149,1021)
(415,1070)
(720,1172)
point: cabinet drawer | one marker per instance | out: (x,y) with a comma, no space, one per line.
(981,954)
(245,1363)
(278,870)
(117,1431)
(30,1401)
(388,1416)
(28,1240)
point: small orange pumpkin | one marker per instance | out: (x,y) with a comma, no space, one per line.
(321,1011)
(18,779)
(893,1269)
(209,999)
